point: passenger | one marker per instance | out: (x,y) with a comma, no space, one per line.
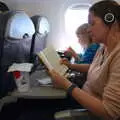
(101,92)
(89,46)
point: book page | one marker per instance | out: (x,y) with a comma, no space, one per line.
(52,60)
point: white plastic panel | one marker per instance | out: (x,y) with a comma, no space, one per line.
(44,26)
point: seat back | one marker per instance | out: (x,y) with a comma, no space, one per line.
(42,29)
(3,7)
(18,33)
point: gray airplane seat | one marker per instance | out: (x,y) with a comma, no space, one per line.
(17,37)
(16,31)
(3,7)
(42,29)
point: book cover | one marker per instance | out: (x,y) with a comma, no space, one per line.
(51,59)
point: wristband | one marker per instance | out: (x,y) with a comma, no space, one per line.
(70,89)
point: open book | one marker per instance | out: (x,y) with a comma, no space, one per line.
(52,60)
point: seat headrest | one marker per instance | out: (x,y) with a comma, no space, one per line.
(3,7)
(18,25)
(41,24)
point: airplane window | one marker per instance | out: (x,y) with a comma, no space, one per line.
(74,17)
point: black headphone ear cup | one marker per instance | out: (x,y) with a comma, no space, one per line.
(109,18)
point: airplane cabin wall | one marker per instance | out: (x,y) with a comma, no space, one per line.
(53,10)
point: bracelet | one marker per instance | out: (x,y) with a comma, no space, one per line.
(70,89)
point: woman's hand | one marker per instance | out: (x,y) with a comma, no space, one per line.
(59,81)
(65,62)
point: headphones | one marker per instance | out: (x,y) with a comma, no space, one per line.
(109,18)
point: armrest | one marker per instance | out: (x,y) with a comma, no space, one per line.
(75,114)
(71,114)
(1,105)
(7,100)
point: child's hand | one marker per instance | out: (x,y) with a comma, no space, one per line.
(65,62)
(71,52)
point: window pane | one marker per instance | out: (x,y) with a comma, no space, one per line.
(73,19)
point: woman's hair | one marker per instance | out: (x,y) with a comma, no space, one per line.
(83,30)
(107,10)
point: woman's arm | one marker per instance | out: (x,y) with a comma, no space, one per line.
(91,103)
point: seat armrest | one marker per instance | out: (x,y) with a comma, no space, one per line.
(1,105)
(7,100)
(76,114)
(71,114)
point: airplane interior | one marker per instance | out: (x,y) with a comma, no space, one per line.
(26,28)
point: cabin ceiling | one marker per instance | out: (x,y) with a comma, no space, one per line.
(45,0)
(25,0)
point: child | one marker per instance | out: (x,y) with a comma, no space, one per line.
(90,49)
(87,43)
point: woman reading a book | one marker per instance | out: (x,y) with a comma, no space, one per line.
(101,92)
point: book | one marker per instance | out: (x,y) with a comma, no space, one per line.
(51,59)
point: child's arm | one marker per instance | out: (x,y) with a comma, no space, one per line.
(72,53)
(77,67)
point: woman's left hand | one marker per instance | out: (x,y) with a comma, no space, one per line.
(59,81)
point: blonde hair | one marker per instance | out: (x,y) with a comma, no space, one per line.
(83,29)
